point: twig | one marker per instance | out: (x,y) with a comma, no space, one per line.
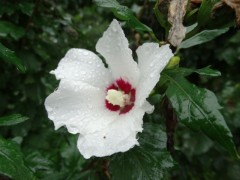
(171,123)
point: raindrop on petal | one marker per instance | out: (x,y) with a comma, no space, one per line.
(85,53)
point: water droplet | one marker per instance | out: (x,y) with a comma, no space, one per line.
(151,75)
(85,53)
(76,75)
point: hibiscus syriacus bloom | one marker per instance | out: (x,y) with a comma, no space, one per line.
(106,105)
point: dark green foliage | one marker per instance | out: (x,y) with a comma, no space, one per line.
(125,14)
(9,56)
(198,109)
(12,119)
(12,163)
(205,11)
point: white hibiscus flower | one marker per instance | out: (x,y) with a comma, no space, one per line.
(106,105)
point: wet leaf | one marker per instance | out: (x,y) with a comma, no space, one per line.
(125,14)
(12,119)
(7,28)
(199,110)
(148,161)
(39,163)
(12,163)
(181,71)
(10,57)
(208,71)
(192,27)
(202,37)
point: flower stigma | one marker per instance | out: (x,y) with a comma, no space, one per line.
(117,97)
(120,96)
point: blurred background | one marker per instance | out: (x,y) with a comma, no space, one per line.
(40,32)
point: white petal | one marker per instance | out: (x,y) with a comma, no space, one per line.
(151,61)
(83,65)
(113,46)
(148,108)
(79,106)
(119,136)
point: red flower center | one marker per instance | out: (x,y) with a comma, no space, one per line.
(126,90)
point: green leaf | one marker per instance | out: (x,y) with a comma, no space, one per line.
(205,10)
(108,3)
(208,71)
(181,71)
(148,161)
(7,7)
(7,28)
(202,37)
(125,14)
(161,17)
(191,27)
(12,163)
(12,119)
(70,153)
(198,109)
(26,8)
(10,57)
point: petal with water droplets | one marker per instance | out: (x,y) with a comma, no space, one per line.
(151,61)
(83,65)
(119,136)
(114,48)
(78,106)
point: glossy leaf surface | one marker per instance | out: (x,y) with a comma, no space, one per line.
(124,13)
(148,161)
(208,71)
(10,57)
(180,71)
(198,109)
(12,119)
(202,37)
(12,163)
